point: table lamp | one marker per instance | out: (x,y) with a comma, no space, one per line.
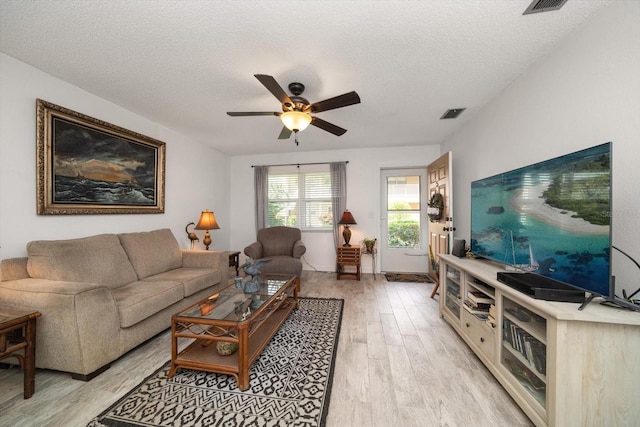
(346,220)
(207,222)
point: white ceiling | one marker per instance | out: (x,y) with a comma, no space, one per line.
(184,64)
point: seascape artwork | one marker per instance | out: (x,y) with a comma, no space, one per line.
(551,218)
(95,167)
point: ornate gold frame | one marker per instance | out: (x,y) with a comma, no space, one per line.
(117,182)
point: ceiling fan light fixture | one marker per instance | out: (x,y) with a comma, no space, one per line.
(295,121)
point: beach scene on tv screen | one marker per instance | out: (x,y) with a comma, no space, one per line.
(551,218)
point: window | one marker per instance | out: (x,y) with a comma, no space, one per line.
(403,211)
(300,197)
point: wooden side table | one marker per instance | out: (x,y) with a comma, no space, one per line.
(17,332)
(234,261)
(348,256)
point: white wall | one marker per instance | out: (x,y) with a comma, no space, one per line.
(585,93)
(363,194)
(197,177)
(190,171)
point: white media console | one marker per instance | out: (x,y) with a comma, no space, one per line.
(562,366)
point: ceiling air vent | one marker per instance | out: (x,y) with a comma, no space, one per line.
(452,113)
(544,6)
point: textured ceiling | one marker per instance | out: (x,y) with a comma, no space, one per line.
(183,64)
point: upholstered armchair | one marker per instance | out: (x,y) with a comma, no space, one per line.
(283,246)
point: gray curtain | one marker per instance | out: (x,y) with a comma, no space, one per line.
(260,176)
(338,196)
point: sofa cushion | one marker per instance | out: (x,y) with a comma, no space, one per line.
(152,252)
(282,265)
(139,300)
(96,259)
(193,279)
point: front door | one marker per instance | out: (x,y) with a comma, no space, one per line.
(440,229)
(403,247)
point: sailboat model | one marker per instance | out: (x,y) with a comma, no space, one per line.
(533,263)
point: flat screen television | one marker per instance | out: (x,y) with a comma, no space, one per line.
(550,219)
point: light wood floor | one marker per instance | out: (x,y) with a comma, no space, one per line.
(399,364)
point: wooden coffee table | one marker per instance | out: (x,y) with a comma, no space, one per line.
(18,339)
(248,319)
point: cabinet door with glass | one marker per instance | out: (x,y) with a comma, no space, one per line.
(524,352)
(451,291)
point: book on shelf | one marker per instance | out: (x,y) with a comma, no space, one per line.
(474,308)
(479,298)
(480,314)
(479,306)
(515,337)
(479,310)
(531,349)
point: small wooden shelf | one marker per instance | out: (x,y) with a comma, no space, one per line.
(348,256)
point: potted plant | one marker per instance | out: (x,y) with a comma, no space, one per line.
(369,244)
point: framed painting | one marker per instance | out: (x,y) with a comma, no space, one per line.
(87,166)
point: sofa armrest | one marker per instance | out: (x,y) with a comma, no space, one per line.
(254,250)
(79,330)
(206,259)
(299,249)
(13,269)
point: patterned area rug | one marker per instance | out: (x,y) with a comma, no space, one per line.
(290,382)
(408,277)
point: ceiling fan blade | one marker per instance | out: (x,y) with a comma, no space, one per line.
(285,133)
(272,85)
(335,102)
(329,127)
(252,113)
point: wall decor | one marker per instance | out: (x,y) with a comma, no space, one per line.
(88,166)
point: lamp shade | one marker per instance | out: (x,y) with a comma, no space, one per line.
(295,120)
(347,218)
(207,221)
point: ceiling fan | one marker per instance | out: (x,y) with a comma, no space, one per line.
(296,110)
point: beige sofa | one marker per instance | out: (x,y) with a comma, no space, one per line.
(103,295)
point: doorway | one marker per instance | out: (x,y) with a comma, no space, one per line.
(404,226)
(440,229)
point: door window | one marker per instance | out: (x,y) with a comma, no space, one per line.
(403,211)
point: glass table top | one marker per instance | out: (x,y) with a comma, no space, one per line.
(236,305)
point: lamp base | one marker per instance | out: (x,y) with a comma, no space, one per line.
(207,240)
(346,235)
